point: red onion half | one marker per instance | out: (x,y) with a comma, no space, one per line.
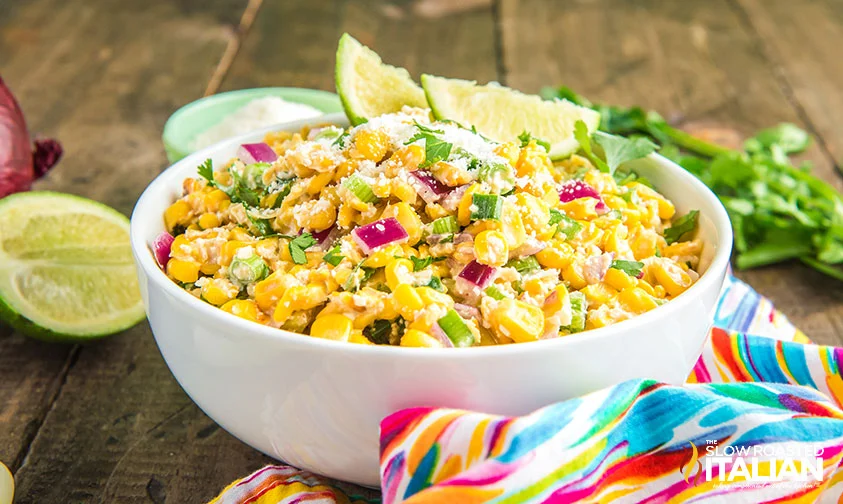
(162,245)
(21,161)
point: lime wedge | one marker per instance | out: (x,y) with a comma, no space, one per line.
(66,268)
(367,87)
(501,113)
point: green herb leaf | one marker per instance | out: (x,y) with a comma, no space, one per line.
(582,137)
(620,150)
(681,226)
(631,268)
(206,171)
(378,332)
(435,149)
(333,256)
(526,137)
(298,245)
(788,137)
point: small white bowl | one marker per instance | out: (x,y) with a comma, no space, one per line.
(317,404)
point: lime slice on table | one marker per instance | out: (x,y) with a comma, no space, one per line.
(501,113)
(66,268)
(367,87)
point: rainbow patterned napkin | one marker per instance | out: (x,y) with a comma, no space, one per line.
(760,420)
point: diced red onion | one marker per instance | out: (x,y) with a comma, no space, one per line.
(477,274)
(161,247)
(595,267)
(256,153)
(428,187)
(326,237)
(378,234)
(440,335)
(577,189)
(467,312)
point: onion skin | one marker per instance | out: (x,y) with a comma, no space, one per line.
(21,161)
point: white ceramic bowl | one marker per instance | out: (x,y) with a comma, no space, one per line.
(317,404)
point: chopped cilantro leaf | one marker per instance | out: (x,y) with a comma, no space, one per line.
(298,245)
(631,268)
(435,149)
(333,257)
(681,226)
(525,138)
(206,171)
(619,150)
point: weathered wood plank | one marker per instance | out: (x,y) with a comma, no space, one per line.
(103,77)
(693,61)
(434,36)
(802,40)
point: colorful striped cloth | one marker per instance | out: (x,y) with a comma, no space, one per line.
(759,421)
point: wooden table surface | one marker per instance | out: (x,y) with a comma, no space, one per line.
(107,422)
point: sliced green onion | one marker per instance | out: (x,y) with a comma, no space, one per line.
(360,188)
(494,293)
(445,225)
(456,329)
(578,306)
(248,270)
(328,133)
(486,206)
(435,283)
(525,264)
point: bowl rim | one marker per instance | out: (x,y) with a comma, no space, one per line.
(225,321)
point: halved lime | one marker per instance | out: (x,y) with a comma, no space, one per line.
(501,113)
(66,268)
(368,87)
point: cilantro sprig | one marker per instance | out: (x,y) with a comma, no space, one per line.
(631,268)
(779,211)
(206,171)
(525,137)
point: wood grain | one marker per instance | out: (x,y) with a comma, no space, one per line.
(695,62)
(802,40)
(103,76)
(293,43)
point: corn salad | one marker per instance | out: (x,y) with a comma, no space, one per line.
(406,231)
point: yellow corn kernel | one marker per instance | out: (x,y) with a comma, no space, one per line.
(686,248)
(209,220)
(614,238)
(183,271)
(450,174)
(518,320)
(406,301)
(322,216)
(214,200)
(287,304)
(531,159)
(637,300)
(358,338)
(228,250)
(599,294)
(176,214)
(216,295)
(534,213)
(533,286)
(420,339)
(464,207)
(646,287)
(317,182)
(269,290)
(435,211)
(241,234)
(618,279)
(243,308)
(383,256)
(580,209)
(431,296)
(597,320)
(372,144)
(509,151)
(644,244)
(603,182)
(209,268)
(345,216)
(614,202)
(179,242)
(557,255)
(408,218)
(666,210)
(512,226)
(407,158)
(555,301)
(396,271)
(333,327)
(673,278)
(490,248)
(403,190)
(574,276)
